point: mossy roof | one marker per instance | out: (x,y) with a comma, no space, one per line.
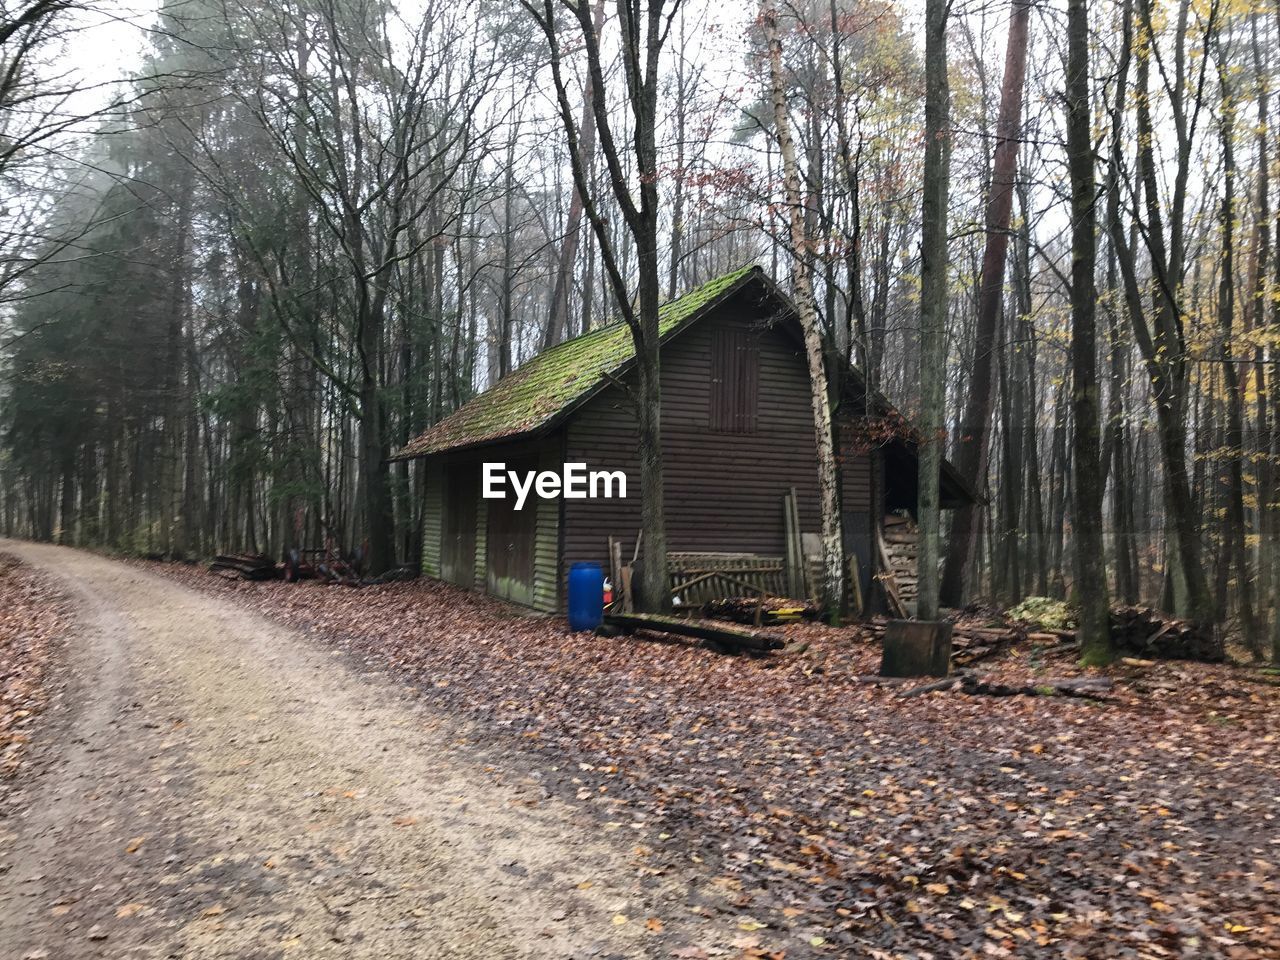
(534,396)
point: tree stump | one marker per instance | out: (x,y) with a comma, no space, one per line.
(914,648)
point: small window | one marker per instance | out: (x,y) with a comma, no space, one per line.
(735,365)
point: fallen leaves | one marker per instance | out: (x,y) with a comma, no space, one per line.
(32,622)
(844,820)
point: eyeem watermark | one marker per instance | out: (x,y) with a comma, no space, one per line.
(573,482)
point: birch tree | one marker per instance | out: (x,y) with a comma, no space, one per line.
(806,306)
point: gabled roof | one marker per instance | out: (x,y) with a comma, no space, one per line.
(544,388)
(548,387)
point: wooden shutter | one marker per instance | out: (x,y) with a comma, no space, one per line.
(735,380)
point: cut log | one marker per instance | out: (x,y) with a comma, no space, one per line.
(731,637)
(915,648)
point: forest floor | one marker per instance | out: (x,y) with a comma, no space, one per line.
(411,761)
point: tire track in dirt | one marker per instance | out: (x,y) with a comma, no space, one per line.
(224,788)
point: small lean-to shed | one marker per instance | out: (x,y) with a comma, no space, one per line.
(737,437)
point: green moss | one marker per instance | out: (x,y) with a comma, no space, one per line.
(1045,612)
(1096,657)
(531,396)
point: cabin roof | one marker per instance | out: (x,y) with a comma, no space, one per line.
(545,387)
(548,387)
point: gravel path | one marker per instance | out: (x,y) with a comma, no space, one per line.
(213,785)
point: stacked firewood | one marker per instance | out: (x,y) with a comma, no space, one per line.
(244,566)
(976,634)
(1144,632)
(971,642)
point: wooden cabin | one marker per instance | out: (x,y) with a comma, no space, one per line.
(737,438)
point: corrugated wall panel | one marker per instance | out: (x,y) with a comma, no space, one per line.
(433,512)
(546,553)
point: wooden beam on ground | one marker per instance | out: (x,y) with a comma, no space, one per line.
(727,636)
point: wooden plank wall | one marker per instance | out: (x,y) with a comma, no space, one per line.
(723,490)
(546,583)
(546,552)
(431,519)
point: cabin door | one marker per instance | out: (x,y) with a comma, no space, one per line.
(458,549)
(510,541)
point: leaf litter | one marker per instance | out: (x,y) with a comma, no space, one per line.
(33,620)
(836,818)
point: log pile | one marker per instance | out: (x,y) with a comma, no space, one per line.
(1147,633)
(769,610)
(971,643)
(975,635)
(899,546)
(244,566)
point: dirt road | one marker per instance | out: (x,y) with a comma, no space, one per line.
(208,784)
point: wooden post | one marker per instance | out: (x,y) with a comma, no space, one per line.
(788,527)
(855,585)
(916,648)
(624,584)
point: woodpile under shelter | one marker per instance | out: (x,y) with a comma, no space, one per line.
(741,480)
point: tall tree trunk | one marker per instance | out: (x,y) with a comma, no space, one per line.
(974,443)
(819,395)
(933,301)
(1162,349)
(1235,534)
(1090,563)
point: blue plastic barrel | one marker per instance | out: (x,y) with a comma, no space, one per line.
(586,596)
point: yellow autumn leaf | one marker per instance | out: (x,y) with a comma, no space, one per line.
(941,889)
(751,925)
(135,844)
(619,919)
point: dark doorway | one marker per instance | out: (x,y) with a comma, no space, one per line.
(510,541)
(458,546)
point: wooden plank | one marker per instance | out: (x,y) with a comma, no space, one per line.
(730,636)
(789,543)
(855,585)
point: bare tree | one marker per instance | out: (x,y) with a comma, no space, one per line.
(974,441)
(644,27)
(1090,567)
